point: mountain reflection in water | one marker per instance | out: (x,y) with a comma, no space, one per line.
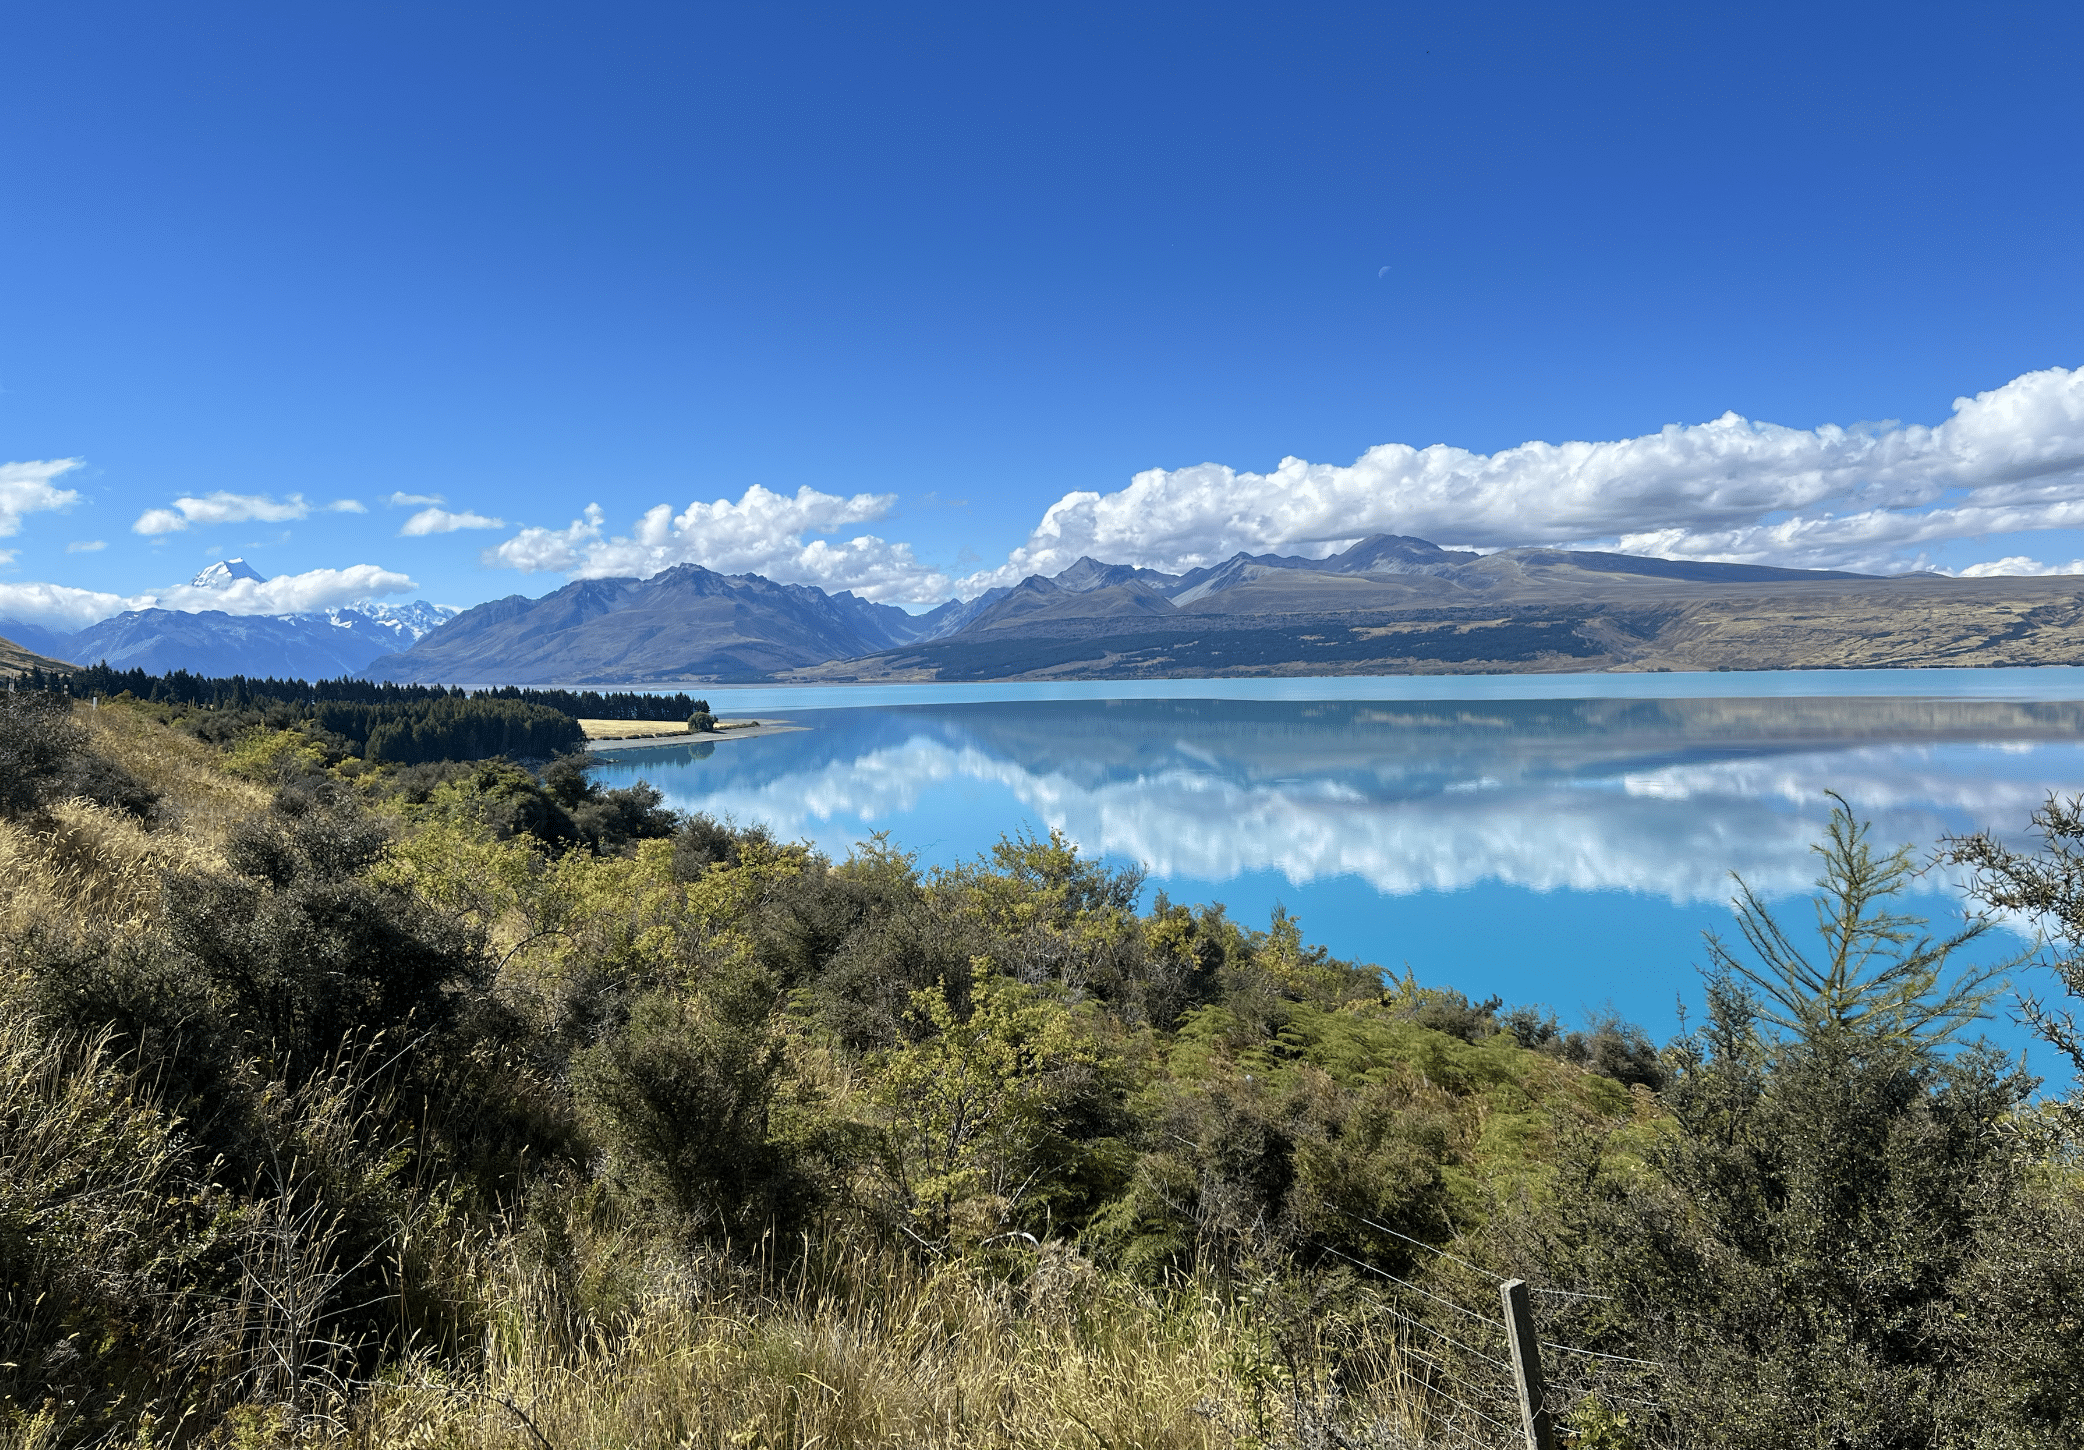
(1656,797)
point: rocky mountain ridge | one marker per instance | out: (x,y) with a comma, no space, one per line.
(685,624)
(1387,604)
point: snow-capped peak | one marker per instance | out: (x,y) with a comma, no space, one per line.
(400,623)
(221,574)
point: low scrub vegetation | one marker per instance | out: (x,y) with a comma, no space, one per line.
(466,1103)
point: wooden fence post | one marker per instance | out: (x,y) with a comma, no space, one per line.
(1526,1365)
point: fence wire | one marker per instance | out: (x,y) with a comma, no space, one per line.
(1442,1378)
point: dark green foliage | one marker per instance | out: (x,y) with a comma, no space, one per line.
(591,705)
(703,841)
(561,809)
(1810,1244)
(303,951)
(607,820)
(399,724)
(451,730)
(687,1091)
(1607,1045)
(862,937)
(1838,1238)
(44,757)
(507,798)
(237,692)
(1800,1248)
(299,1034)
(2016,1356)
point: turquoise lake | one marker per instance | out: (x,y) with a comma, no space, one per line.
(1560,840)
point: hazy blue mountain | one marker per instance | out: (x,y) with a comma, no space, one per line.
(211,642)
(1089,574)
(686,624)
(691,624)
(884,621)
(956,614)
(1035,600)
(50,643)
(316,645)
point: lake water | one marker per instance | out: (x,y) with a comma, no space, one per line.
(1560,840)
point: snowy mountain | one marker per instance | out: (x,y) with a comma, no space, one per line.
(221,574)
(319,644)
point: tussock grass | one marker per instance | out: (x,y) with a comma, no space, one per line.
(197,795)
(887,1353)
(78,862)
(86,862)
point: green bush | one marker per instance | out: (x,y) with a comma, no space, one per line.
(685,1092)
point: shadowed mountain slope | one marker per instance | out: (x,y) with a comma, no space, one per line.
(1393,605)
(687,624)
(211,642)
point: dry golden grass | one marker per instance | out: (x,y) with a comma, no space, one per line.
(631,729)
(904,1358)
(80,861)
(197,797)
(85,861)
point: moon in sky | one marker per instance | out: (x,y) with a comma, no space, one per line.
(1383,273)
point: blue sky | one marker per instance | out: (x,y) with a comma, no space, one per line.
(951,269)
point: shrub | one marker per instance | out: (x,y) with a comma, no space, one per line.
(45,756)
(685,1093)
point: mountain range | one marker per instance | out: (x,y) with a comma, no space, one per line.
(688,623)
(1389,604)
(319,644)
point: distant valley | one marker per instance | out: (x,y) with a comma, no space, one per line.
(1387,605)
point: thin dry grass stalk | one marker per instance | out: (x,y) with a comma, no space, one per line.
(196,794)
(886,1354)
(84,862)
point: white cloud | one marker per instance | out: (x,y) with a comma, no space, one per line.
(26,488)
(221,508)
(762,533)
(441,521)
(86,546)
(235,508)
(60,605)
(1833,497)
(413,500)
(292,593)
(2018,564)
(66,607)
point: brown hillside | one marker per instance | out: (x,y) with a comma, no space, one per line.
(14,660)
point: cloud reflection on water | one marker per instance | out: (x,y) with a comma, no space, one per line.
(1659,797)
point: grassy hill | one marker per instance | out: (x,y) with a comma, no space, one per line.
(456,1103)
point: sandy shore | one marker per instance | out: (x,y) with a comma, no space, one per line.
(620,735)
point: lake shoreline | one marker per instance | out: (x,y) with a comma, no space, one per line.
(628,743)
